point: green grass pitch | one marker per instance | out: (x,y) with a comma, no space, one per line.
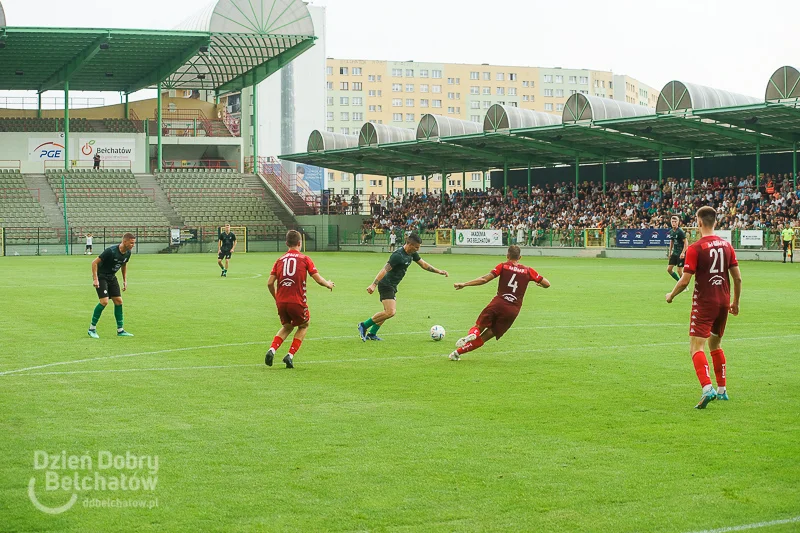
(579,419)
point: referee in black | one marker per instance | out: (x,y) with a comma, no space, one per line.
(227,245)
(104,275)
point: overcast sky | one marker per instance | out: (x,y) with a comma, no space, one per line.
(727,44)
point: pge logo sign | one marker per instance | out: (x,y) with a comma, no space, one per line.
(45,150)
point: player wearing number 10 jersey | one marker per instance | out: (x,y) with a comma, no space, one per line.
(290,272)
(499,315)
(710,260)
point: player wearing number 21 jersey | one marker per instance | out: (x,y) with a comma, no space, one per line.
(711,260)
(499,315)
(290,272)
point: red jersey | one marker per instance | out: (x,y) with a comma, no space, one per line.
(514,279)
(710,259)
(291,270)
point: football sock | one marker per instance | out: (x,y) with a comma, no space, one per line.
(118,315)
(98,310)
(368,323)
(295,346)
(475,331)
(474,345)
(374,329)
(675,276)
(92,328)
(721,390)
(701,369)
(707,388)
(718,356)
(221,267)
(276,343)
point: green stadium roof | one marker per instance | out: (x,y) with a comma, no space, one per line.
(219,51)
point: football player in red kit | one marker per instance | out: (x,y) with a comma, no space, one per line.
(290,272)
(710,260)
(499,315)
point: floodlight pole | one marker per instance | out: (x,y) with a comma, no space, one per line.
(483,174)
(758,162)
(159,158)
(444,186)
(39,107)
(529,178)
(127,109)
(604,174)
(794,165)
(66,128)
(577,173)
(660,166)
(255,128)
(463,183)
(505,177)
(405,186)
(691,171)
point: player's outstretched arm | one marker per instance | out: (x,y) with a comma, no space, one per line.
(322,281)
(430,268)
(483,280)
(679,287)
(271,285)
(545,284)
(381,273)
(736,274)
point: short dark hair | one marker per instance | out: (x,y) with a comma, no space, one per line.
(292,238)
(413,237)
(708,216)
(514,252)
(128,236)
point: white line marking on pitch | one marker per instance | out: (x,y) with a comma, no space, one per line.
(757,525)
(211,346)
(360,360)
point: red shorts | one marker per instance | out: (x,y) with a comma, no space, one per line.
(707,321)
(294,314)
(499,316)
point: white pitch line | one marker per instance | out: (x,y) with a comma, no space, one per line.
(757,525)
(382,359)
(135,284)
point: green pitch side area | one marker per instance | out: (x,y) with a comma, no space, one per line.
(580,419)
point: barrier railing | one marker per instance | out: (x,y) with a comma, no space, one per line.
(11,163)
(183,192)
(89,165)
(202,164)
(105,192)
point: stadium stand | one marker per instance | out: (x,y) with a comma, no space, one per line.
(105,198)
(78,125)
(18,207)
(215,197)
(117,125)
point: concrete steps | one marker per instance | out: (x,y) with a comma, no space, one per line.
(148,181)
(272,200)
(47,199)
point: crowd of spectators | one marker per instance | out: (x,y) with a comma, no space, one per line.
(639,203)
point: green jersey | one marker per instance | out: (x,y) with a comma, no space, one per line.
(678,238)
(111,260)
(399,261)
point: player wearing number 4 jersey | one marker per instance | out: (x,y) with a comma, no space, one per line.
(710,260)
(501,312)
(290,272)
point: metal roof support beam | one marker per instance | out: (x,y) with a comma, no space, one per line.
(79,61)
(163,71)
(419,157)
(752,138)
(636,141)
(263,71)
(782,135)
(528,142)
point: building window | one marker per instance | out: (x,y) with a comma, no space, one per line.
(476,176)
(345,116)
(329,71)
(423,103)
(451,110)
(533,84)
(344,100)
(572,91)
(397,117)
(559,107)
(548,92)
(409,87)
(371,77)
(487,104)
(409,73)
(397,87)
(343,71)
(358,116)
(357,100)
(346,131)
(343,86)
(357,85)
(559,78)
(584,92)
(454,81)
(501,91)
(331,176)
(486,91)
(330,100)
(573,79)
(397,102)
(356,71)
(437,88)
(372,92)
(548,107)
(437,103)
(524,83)
(397,73)
(584,80)
(423,73)
(512,91)
(559,93)
(512,76)
(451,96)
(524,97)
(372,109)
(423,88)
(345,177)
(475,104)
(330,115)
(329,129)
(409,102)
(474,90)
(548,78)
(474,75)
(330,85)
(437,74)
(409,117)
(475,118)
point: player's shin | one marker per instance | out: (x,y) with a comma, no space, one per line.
(98,310)
(295,347)
(701,368)
(118,315)
(718,357)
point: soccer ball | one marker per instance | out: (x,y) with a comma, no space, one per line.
(437,333)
